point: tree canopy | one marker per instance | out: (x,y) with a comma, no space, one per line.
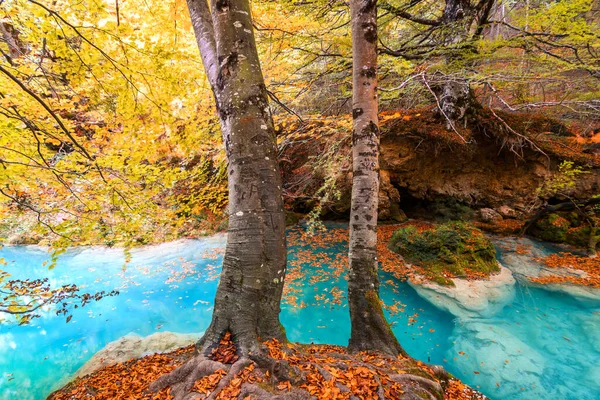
(100,144)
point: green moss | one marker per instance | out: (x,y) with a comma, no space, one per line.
(449,209)
(283,333)
(375,302)
(579,236)
(397,214)
(566,227)
(551,229)
(453,247)
(292,218)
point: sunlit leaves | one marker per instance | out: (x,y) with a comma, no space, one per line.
(133,93)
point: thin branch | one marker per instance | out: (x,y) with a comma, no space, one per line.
(38,213)
(282,105)
(403,14)
(47,108)
(102,52)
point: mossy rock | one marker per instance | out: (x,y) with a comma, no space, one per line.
(449,209)
(552,228)
(397,214)
(292,218)
(567,227)
(453,247)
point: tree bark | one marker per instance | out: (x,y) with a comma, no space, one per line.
(10,36)
(205,37)
(454,95)
(247,302)
(370,330)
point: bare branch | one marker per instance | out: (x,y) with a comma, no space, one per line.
(403,14)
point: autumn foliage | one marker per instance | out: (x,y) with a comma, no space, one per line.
(587,270)
(326,372)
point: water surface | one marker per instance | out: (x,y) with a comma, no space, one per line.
(542,345)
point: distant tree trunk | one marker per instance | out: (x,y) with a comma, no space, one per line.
(16,48)
(460,24)
(370,330)
(592,240)
(247,303)
(454,94)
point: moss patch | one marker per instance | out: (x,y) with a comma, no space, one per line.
(449,209)
(565,227)
(453,249)
(292,218)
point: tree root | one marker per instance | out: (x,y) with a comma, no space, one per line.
(276,371)
(235,369)
(427,387)
(262,394)
(281,370)
(182,379)
(267,373)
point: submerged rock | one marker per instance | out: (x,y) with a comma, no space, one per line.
(589,327)
(517,368)
(470,298)
(133,346)
(523,257)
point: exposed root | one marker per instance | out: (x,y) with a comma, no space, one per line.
(380,391)
(272,371)
(277,368)
(425,386)
(262,394)
(218,372)
(182,379)
(233,372)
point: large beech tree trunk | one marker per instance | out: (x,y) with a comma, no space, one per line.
(370,330)
(248,297)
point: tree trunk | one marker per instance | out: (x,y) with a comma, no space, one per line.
(454,94)
(592,240)
(456,100)
(370,330)
(10,36)
(248,297)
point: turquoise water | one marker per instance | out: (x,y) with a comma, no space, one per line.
(542,345)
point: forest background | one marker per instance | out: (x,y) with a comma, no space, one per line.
(108,133)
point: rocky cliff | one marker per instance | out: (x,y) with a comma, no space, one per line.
(495,163)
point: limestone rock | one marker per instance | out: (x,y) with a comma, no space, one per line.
(507,212)
(389,197)
(489,215)
(133,346)
(416,162)
(521,256)
(516,366)
(467,299)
